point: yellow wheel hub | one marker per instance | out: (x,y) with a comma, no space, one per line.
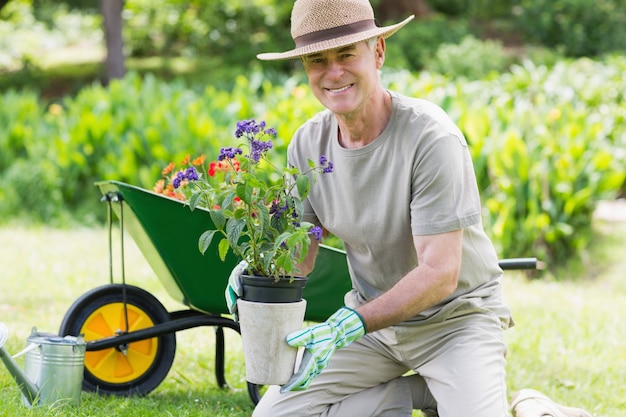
(111,365)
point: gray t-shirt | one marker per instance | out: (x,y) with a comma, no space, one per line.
(416,178)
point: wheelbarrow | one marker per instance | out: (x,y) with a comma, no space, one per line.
(131,337)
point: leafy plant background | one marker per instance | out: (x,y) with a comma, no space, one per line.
(547,132)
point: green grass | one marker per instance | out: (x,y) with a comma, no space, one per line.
(568,341)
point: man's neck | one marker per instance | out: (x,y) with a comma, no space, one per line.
(356,131)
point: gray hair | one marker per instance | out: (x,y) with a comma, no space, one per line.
(371,42)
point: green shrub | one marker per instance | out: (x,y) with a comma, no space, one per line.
(29,178)
(553,144)
(471,58)
(547,143)
(31,192)
(412,47)
(233,30)
(132,129)
(579,27)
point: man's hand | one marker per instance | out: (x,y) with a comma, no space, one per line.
(320,342)
(233,289)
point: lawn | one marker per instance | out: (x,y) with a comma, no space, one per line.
(568,341)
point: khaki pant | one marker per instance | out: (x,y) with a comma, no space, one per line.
(458,365)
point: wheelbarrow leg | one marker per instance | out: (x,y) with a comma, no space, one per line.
(253,390)
(219,357)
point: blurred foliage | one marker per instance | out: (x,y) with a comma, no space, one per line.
(27,31)
(414,46)
(547,143)
(548,135)
(578,27)
(234,31)
(470,58)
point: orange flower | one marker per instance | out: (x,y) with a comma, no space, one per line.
(186,160)
(179,196)
(174,194)
(169,168)
(199,160)
(159,187)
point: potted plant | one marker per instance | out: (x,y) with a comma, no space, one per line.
(256,212)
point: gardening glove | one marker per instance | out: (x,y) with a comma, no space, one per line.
(233,289)
(320,342)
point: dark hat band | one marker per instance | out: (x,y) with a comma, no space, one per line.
(336,32)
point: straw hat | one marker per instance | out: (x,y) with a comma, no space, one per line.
(322,25)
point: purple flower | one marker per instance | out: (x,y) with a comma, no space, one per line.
(248,127)
(251,128)
(316,231)
(180,177)
(252,131)
(258,148)
(326,164)
(191,174)
(229,153)
(277,210)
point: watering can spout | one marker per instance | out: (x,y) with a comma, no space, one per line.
(29,389)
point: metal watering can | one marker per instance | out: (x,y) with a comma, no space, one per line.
(53,369)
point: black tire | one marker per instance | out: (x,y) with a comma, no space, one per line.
(146,363)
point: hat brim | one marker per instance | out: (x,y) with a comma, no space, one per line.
(335,43)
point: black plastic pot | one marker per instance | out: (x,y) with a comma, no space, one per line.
(267,290)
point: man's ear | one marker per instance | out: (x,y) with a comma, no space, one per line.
(379,52)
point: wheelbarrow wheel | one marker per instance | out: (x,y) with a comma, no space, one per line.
(134,369)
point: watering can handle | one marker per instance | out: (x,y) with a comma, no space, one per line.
(4,335)
(27,349)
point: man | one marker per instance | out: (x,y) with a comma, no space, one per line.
(423,326)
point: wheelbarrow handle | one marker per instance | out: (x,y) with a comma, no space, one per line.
(521,263)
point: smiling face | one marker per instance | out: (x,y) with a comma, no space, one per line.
(345,79)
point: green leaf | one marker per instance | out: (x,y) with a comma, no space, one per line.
(218,219)
(194,200)
(279,241)
(223,247)
(244,192)
(234,227)
(228,201)
(303,185)
(205,240)
(264,217)
(279,223)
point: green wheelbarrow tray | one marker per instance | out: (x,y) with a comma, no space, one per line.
(166,231)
